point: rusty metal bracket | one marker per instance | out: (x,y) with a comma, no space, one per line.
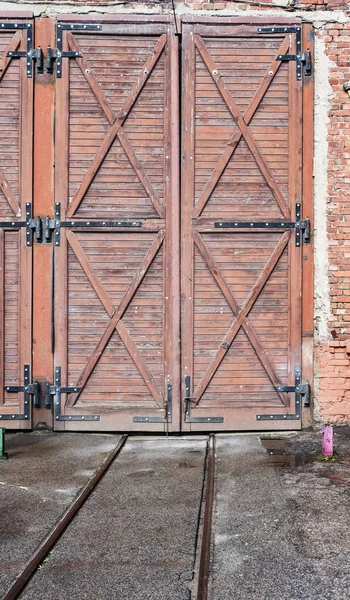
(28,389)
(188,418)
(56,390)
(168,410)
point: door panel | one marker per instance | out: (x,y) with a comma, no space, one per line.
(240,283)
(16,121)
(116,266)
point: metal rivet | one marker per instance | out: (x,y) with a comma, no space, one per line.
(87,71)
(215,72)
(270,72)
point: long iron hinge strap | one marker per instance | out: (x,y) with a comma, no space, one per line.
(53,226)
(56,390)
(300,226)
(301,58)
(28,389)
(31,53)
(188,417)
(58,54)
(300,389)
(168,411)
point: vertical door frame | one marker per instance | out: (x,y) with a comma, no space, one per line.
(25,271)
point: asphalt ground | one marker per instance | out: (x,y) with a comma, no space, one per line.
(281,527)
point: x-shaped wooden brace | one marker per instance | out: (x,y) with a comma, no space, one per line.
(241,315)
(115,315)
(243,130)
(116,123)
(4,64)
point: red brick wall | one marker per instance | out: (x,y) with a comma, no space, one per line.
(332,358)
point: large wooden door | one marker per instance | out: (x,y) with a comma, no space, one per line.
(16,122)
(116,248)
(241,249)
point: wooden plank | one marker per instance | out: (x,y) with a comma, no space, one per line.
(90,273)
(60,341)
(187,191)
(112,133)
(140,363)
(237,135)
(26,257)
(91,79)
(97,353)
(248,137)
(141,173)
(2,315)
(231,334)
(307,207)
(295,194)
(12,47)
(248,328)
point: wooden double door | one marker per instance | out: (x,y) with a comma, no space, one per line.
(178,228)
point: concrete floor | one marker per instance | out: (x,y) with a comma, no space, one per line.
(281,521)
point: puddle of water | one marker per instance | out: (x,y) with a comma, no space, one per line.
(278,455)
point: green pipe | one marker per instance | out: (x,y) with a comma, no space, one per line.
(3,454)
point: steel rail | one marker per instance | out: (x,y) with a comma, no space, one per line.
(205,552)
(65,519)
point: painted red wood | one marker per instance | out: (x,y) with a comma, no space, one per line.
(116,288)
(241,320)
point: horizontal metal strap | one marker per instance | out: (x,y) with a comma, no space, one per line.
(256,224)
(77,418)
(101,224)
(204,419)
(288,57)
(149,420)
(287,29)
(15,25)
(289,417)
(79,27)
(12,224)
(285,388)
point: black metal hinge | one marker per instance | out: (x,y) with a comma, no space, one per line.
(56,390)
(300,389)
(168,410)
(57,54)
(31,54)
(301,58)
(28,389)
(301,226)
(188,418)
(31,225)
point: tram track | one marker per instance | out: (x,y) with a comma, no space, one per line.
(60,526)
(203,542)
